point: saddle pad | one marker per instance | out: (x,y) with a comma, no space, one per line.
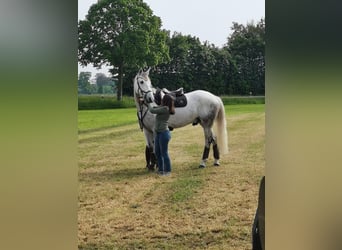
(181,101)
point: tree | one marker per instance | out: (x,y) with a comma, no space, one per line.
(221,72)
(247,48)
(172,74)
(200,64)
(194,65)
(84,83)
(121,33)
(104,83)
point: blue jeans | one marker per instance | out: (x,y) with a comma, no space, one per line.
(161,143)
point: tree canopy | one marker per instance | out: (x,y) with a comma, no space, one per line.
(121,33)
(247,47)
(236,69)
(104,84)
(126,35)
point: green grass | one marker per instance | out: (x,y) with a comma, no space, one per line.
(123,206)
(89,120)
(184,188)
(244,109)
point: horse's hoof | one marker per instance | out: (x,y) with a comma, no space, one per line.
(216,164)
(201,166)
(150,168)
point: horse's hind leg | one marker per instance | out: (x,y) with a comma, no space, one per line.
(208,135)
(210,138)
(216,150)
(216,154)
(205,156)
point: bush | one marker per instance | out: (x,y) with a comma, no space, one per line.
(88,102)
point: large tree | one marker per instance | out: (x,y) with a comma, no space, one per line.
(121,33)
(104,84)
(247,48)
(194,65)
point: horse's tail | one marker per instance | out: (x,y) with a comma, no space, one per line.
(222,135)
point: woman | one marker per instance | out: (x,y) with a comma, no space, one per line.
(163,135)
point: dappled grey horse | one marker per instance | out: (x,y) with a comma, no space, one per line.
(201,108)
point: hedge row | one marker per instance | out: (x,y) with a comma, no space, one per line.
(87,102)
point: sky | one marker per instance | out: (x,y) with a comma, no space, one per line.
(208,20)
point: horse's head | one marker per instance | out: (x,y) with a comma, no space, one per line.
(142,86)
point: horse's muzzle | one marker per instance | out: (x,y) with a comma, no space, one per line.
(149,97)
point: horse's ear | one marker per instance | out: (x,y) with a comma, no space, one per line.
(139,72)
(148,70)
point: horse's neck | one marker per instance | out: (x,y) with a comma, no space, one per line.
(145,117)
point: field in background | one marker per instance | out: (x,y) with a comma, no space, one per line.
(90,120)
(123,206)
(89,102)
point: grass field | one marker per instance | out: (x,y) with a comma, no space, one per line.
(123,206)
(90,120)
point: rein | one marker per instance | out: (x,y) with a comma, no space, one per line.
(141,114)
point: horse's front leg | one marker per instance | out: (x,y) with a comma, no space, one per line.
(150,157)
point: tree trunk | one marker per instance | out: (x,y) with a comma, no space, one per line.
(120,83)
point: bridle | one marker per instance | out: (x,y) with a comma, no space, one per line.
(141,90)
(141,94)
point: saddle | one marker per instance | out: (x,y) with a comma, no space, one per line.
(178,97)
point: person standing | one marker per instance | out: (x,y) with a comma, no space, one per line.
(162,132)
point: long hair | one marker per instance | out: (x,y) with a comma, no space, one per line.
(169,102)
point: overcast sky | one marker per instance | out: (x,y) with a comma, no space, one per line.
(208,20)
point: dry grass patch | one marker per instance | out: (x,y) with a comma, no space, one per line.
(123,206)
